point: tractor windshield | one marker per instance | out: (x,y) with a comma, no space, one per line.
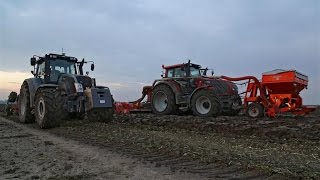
(194,71)
(58,66)
(63,66)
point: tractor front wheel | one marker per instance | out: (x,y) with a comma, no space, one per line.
(205,103)
(48,108)
(255,110)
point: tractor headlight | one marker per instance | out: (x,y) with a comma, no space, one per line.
(235,88)
(79,87)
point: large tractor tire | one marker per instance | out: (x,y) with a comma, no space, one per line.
(25,115)
(205,103)
(101,114)
(163,100)
(255,110)
(49,109)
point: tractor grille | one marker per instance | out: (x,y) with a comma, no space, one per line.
(221,87)
(85,81)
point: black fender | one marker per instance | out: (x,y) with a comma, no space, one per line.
(43,86)
(198,89)
(66,83)
(33,85)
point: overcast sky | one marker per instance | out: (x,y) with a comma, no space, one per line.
(130,40)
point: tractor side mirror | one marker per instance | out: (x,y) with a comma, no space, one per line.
(92,67)
(212,72)
(182,68)
(33,61)
(204,72)
(32,72)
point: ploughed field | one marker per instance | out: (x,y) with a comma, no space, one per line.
(221,147)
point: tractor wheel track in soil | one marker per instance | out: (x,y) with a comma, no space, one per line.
(43,155)
(92,133)
(273,129)
(181,165)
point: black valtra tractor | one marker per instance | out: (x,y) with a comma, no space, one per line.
(60,90)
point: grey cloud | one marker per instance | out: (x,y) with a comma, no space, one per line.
(234,37)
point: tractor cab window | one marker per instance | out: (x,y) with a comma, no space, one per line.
(170,73)
(176,72)
(41,70)
(194,72)
(57,67)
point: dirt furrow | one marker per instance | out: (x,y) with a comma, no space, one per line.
(31,153)
(223,147)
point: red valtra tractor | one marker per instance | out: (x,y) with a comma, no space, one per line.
(185,87)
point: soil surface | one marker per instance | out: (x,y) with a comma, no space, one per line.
(29,153)
(146,146)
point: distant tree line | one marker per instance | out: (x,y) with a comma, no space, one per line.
(3,101)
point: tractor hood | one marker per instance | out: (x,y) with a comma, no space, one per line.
(220,86)
(75,83)
(86,81)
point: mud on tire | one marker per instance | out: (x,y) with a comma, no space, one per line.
(205,103)
(101,114)
(49,108)
(25,115)
(163,100)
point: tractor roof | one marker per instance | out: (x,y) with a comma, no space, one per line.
(61,56)
(52,56)
(180,65)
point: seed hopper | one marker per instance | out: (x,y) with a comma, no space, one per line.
(277,92)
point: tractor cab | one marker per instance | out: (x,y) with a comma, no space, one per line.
(182,70)
(52,66)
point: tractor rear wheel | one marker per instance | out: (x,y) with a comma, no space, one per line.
(25,115)
(163,100)
(205,103)
(255,110)
(101,114)
(49,108)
